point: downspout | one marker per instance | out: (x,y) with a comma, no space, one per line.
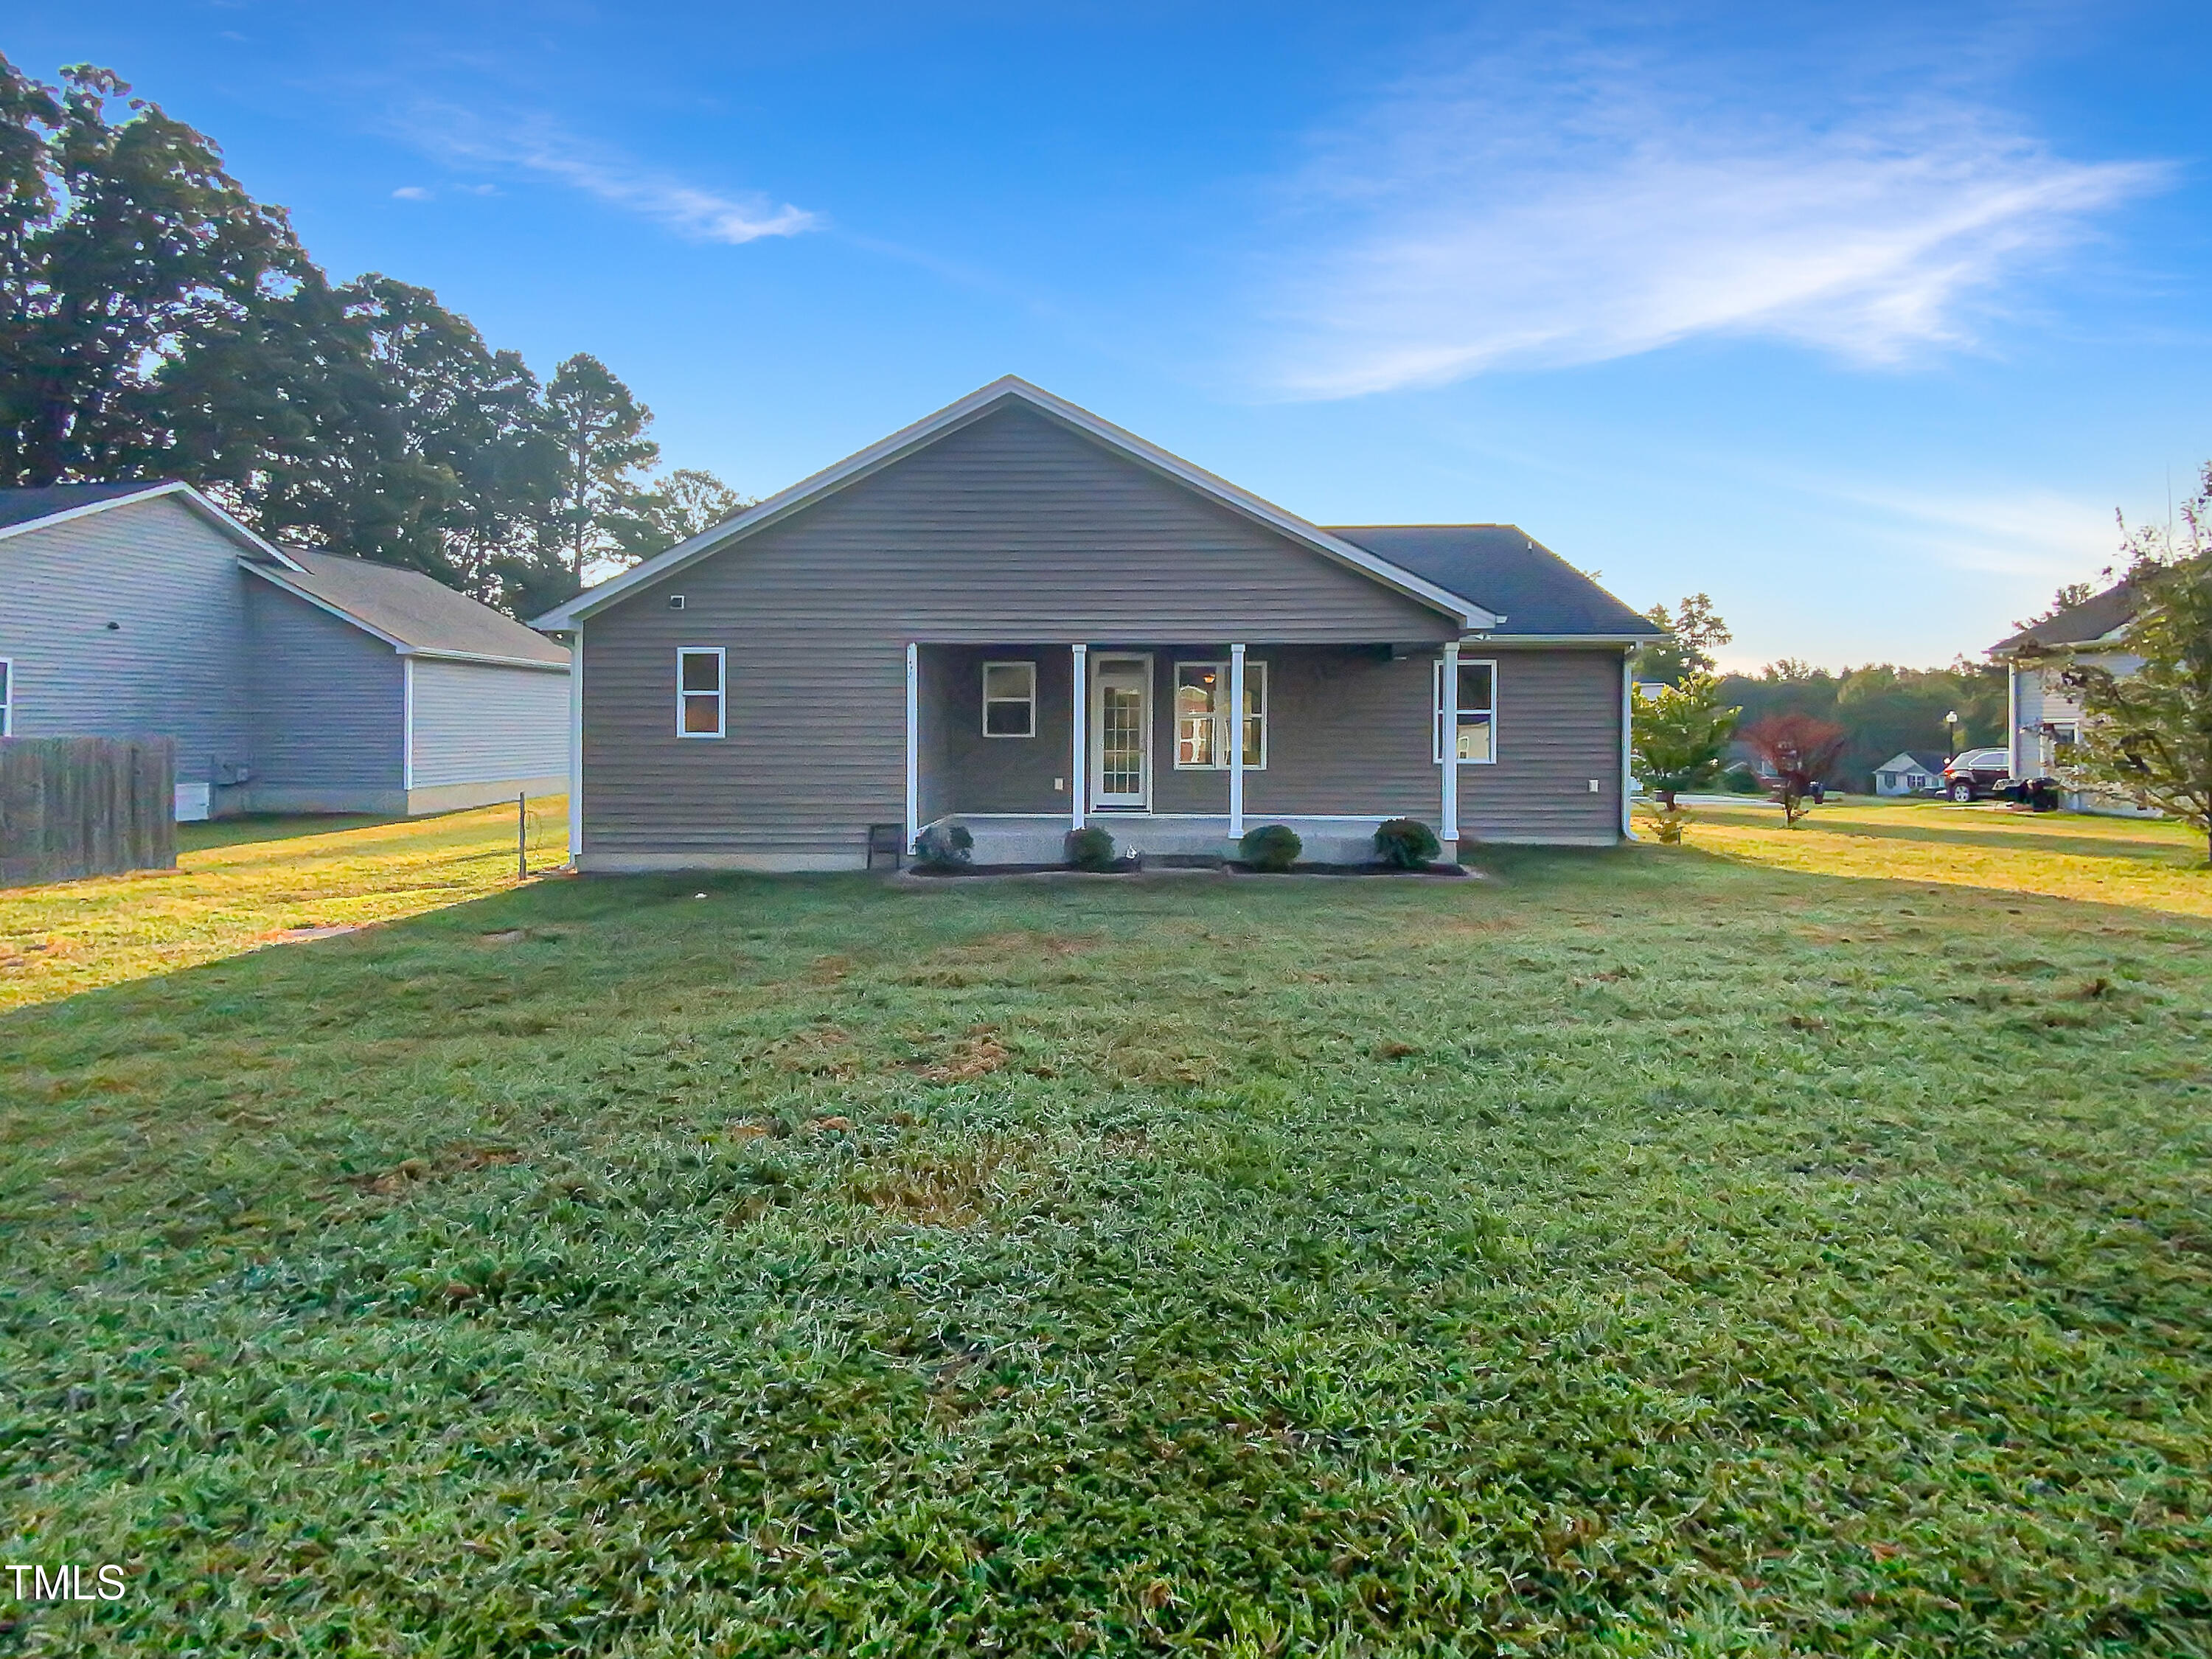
(576,750)
(406,735)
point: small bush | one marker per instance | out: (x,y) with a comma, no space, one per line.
(1743,780)
(1090,848)
(944,847)
(1405,844)
(1666,824)
(1271,846)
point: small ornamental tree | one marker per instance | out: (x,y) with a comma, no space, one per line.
(2147,735)
(1678,735)
(1801,750)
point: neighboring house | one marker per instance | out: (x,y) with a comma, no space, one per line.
(291,681)
(1908,774)
(2043,716)
(1016,617)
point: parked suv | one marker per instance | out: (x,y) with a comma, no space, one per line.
(1976,774)
(1986,775)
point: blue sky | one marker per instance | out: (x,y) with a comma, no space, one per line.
(1863,319)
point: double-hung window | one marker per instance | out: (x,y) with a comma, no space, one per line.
(1010,700)
(1201,709)
(700,691)
(1467,714)
(7,697)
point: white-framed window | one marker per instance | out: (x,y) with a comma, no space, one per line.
(1471,715)
(1010,700)
(1201,716)
(700,691)
(7,698)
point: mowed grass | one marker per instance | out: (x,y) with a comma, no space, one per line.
(240,882)
(1663,1252)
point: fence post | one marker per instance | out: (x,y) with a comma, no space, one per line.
(522,837)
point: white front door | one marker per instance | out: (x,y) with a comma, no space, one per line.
(1121,731)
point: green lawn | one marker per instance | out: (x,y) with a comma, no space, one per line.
(1783,1244)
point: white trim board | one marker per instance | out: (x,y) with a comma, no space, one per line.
(186,494)
(974,406)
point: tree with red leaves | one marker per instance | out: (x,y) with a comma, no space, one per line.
(1801,750)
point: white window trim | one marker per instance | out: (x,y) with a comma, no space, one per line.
(1443,719)
(722,693)
(1029,668)
(1255,673)
(7,696)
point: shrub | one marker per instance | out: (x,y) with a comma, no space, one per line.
(1271,846)
(1090,848)
(1666,823)
(944,847)
(1405,844)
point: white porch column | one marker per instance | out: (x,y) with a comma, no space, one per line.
(1236,742)
(1447,746)
(1627,743)
(913,744)
(1079,704)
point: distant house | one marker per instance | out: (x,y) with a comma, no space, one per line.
(291,681)
(2043,716)
(1908,774)
(1016,619)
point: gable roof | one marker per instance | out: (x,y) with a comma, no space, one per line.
(2095,618)
(1538,594)
(35,506)
(416,615)
(974,407)
(1913,763)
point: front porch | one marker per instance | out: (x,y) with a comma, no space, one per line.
(1176,750)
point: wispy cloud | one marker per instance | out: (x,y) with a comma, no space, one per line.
(532,144)
(1563,202)
(410,193)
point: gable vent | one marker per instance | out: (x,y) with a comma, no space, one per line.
(675,601)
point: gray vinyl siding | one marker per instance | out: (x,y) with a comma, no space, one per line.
(477,723)
(1012,528)
(174,663)
(1349,734)
(330,700)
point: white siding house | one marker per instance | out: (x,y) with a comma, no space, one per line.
(2043,715)
(290,680)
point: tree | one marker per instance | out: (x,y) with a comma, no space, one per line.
(1678,734)
(1693,631)
(2147,733)
(686,504)
(366,419)
(117,240)
(1801,750)
(600,428)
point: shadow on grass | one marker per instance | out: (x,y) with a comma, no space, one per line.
(249,828)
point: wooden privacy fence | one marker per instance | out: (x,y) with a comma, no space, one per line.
(86,806)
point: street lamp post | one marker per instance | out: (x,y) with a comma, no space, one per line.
(1951,731)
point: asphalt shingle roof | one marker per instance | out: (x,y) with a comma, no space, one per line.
(2087,622)
(410,607)
(1502,568)
(26,505)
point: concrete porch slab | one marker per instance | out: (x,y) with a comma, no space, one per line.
(1042,840)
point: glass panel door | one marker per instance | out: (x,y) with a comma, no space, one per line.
(1120,729)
